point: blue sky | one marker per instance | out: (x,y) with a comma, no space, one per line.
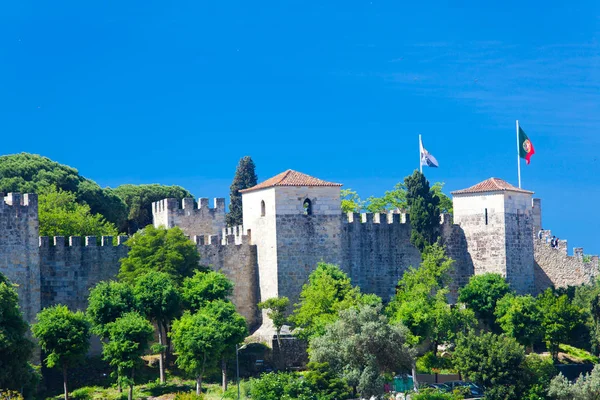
(177,92)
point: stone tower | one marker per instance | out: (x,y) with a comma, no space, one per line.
(295,221)
(497,220)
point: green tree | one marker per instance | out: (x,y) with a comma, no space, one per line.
(281,386)
(31,173)
(520,318)
(361,346)
(445,203)
(327,292)
(129,338)
(492,361)
(139,199)
(245,177)
(324,383)
(61,215)
(108,301)
(424,211)
(205,287)
(276,308)
(587,387)
(15,348)
(538,371)
(481,295)
(162,250)
(350,201)
(64,336)
(160,301)
(559,319)
(391,200)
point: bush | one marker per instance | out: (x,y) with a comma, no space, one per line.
(432,394)
(10,395)
(280,386)
(429,363)
(85,393)
(188,396)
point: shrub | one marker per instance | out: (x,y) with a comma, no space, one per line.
(85,393)
(280,386)
(429,363)
(188,396)
(432,394)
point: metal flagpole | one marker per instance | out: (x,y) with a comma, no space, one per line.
(420,163)
(518,155)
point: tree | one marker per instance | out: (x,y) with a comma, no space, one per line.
(31,173)
(492,361)
(245,177)
(281,385)
(559,319)
(64,336)
(520,318)
(162,250)
(205,287)
(424,211)
(129,337)
(327,292)
(107,302)
(160,301)
(445,203)
(15,348)
(587,387)
(276,308)
(481,295)
(391,200)
(361,346)
(350,201)
(201,338)
(324,383)
(139,199)
(61,215)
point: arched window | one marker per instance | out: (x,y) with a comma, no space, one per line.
(307,207)
(262,208)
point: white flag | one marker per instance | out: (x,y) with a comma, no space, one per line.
(427,159)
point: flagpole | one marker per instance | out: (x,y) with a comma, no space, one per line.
(420,163)
(518,155)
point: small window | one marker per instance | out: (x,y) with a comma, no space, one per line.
(307,207)
(486,217)
(262,208)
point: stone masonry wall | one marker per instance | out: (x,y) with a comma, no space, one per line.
(237,259)
(193,221)
(519,251)
(19,252)
(70,267)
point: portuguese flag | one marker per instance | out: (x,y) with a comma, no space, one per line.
(525,146)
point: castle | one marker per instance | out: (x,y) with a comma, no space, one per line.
(291,222)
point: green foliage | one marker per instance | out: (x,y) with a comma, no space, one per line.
(432,394)
(538,371)
(7,394)
(430,363)
(157,297)
(324,383)
(61,215)
(327,292)
(63,335)
(31,173)
(129,337)
(280,386)
(15,348)
(520,318)
(445,203)
(245,177)
(139,199)
(107,302)
(482,293)
(492,361)
(420,301)
(189,396)
(361,346)
(350,201)
(424,211)
(559,319)
(205,287)
(276,308)
(85,393)
(587,387)
(580,354)
(162,250)
(391,200)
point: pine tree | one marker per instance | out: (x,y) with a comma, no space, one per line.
(423,211)
(245,177)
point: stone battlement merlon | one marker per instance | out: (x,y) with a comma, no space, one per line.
(76,241)
(188,204)
(387,218)
(18,199)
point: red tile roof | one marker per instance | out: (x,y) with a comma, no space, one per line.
(290,178)
(491,185)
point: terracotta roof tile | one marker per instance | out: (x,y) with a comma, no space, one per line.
(290,178)
(491,185)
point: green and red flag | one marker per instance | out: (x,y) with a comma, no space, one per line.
(525,146)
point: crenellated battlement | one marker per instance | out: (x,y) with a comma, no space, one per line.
(18,199)
(188,204)
(390,218)
(78,241)
(194,221)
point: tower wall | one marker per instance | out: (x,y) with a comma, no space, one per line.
(518,220)
(199,221)
(19,251)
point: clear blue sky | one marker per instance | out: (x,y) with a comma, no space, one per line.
(176,92)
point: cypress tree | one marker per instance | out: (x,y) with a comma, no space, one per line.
(424,211)
(245,177)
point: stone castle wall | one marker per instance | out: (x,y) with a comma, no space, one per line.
(199,221)
(19,250)
(70,267)
(233,255)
